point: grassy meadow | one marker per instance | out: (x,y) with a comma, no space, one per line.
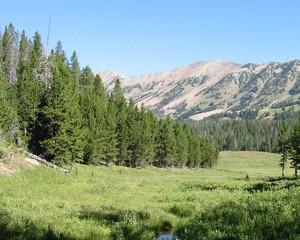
(240,198)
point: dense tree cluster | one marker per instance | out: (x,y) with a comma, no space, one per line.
(289,147)
(242,135)
(62,112)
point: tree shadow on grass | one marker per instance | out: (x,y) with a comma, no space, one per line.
(273,184)
(112,215)
(125,224)
(26,230)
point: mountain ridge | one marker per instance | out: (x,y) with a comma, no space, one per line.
(203,89)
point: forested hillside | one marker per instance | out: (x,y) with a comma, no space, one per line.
(58,110)
(242,135)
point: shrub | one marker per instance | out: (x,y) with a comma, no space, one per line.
(182,210)
(2,155)
(255,218)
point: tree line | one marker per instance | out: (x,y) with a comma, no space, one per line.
(289,147)
(60,111)
(242,135)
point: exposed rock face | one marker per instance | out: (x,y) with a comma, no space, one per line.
(206,88)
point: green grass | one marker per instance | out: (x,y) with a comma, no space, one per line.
(124,203)
(256,164)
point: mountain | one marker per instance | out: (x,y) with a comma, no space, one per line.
(203,89)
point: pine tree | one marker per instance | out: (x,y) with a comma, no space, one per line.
(93,107)
(295,153)
(75,69)
(140,138)
(62,115)
(87,78)
(99,90)
(23,55)
(109,137)
(7,113)
(1,57)
(165,142)
(10,53)
(133,135)
(181,156)
(117,94)
(88,115)
(121,126)
(29,87)
(284,147)
(99,104)
(147,137)
(194,150)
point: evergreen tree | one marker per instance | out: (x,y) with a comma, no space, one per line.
(29,87)
(99,90)
(181,156)
(75,69)
(134,157)
(62,115)
(140,136)
(1,56)
(8,122)
(165,143)
(23,55)
(208,153)
(194,151)
(147,137)
(295,144)
(284,147)
(9,56)
(99,104)
(93,104)
(109,137)
(87,78)
(121,126)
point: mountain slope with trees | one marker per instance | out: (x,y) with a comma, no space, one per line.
(204,89)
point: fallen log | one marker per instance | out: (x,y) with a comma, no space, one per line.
(42,161)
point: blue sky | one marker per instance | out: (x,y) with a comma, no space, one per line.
(133,37)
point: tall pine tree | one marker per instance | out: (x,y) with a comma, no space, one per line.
(29,87)
(62,115)
(284,147)
(295,153)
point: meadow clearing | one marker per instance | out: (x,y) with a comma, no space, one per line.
(242,197)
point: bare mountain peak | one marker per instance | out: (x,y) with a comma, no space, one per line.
(205,88)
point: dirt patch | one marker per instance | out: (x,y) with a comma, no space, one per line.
(5,170)
(32,161)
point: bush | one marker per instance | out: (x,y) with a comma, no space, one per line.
(2,155)
(250,219)
(182,210)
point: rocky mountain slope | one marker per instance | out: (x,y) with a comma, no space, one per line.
(207,88)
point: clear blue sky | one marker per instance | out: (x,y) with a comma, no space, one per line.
(138,36)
